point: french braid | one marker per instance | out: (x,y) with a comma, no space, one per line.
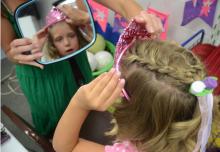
(151,59)
(165,116)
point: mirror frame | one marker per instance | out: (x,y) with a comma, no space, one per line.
(26,4)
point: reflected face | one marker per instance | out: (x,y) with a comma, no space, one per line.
(64,38)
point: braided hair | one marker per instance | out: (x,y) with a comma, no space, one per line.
(161,115)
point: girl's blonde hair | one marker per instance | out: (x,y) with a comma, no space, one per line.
(51,51)
(161,115)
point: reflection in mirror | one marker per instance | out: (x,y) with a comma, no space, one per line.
(60,29)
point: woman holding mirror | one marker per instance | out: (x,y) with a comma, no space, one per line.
(48,91)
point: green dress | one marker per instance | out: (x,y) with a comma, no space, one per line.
(49,91)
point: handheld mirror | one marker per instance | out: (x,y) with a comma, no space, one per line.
(60,29)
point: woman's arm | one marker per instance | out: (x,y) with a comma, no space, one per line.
(97,95)
(15,49)
(12,5)
(7,35)
(131,9)
(126,8)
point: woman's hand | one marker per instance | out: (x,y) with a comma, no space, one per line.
(100,93)
(152,23)
(23,51)
(76,16)
(39,40)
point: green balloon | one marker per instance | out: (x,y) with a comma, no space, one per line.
(99,45)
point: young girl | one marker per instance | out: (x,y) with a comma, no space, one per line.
(161,112)
(63,38)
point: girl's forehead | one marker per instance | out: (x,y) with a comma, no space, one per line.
(61,24)
(61,27)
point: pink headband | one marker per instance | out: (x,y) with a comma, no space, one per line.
(131,33)
(54,16)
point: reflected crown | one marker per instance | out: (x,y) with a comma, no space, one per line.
(55,15)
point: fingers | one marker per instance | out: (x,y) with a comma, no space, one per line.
(111,90)
(69,21)
(38,44)
(20,42)
(110,86)
(76,16)
(67,9)
(152,23)
(103,82)
(20,49)
(96,80)
(19,46)
(157,25)
(116,93)
(101,92)
(36,50)
(21,58)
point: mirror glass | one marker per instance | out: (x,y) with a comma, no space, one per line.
(60,28)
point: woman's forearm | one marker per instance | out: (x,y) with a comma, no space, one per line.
(67,132)
(130,9)
(7,35)
(12,5)
(126,8)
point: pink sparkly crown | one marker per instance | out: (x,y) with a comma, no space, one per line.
(131,33)
(55,15)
